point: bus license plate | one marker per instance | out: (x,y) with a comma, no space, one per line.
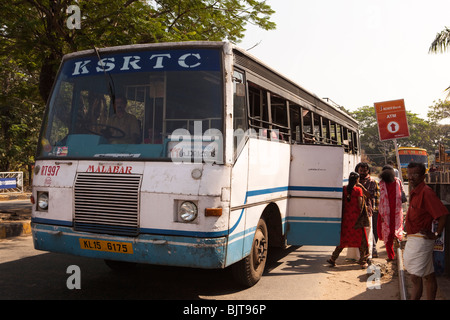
(109,246)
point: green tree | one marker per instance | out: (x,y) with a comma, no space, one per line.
(38,27)
(436,113)
(439,111)
(374,149)
(34,37)
(422,134)
(19,115)
(440,44)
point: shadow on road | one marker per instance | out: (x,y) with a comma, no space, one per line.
(44,276)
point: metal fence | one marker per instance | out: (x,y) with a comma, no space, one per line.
(438,177)
(11,182)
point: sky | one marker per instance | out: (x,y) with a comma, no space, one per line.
(358,52)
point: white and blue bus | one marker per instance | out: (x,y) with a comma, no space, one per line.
(189,154)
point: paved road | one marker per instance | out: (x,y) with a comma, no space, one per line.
(295,273)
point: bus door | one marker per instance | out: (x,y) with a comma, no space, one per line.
(315,195)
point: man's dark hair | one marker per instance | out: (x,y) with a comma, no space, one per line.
(363,165)
(387,174)
(421,166)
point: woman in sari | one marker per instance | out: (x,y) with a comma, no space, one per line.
(390,212)
(350,237)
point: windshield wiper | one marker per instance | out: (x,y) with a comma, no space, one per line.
(111,87)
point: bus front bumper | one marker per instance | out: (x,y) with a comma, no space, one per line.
(207,253)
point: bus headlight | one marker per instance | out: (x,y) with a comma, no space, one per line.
(42,200)
(188,211)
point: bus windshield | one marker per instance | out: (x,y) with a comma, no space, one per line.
(127,104)
(405,159)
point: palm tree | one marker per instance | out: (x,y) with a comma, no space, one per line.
(440,44)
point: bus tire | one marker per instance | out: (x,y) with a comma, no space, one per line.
(250,270)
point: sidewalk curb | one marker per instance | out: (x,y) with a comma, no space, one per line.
(15,196)
(11,227)
(15,229)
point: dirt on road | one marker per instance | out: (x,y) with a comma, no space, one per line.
(347,281)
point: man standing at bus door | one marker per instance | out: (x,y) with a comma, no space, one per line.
(371,191)
(424,207)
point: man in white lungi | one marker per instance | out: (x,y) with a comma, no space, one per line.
(424,207)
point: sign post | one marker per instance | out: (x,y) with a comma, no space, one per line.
(11,182)
(397,158)
(391,118)
(392,122)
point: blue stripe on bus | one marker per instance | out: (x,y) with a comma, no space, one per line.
(292,188)
(217,234)
(152,249)
(265,191)
(52,221)
(221,250)
(316,189)
(306,219)
(199,234)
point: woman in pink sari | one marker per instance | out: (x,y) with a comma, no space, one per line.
(390,213)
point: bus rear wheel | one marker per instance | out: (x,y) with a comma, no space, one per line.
(249,270)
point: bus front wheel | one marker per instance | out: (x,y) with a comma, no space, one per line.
(249,270)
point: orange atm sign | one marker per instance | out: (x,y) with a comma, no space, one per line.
(391,118)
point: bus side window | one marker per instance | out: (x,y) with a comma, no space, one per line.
(355,142)
(338,134)
(239,112)
(280,126)
(326,131)
(294,116)
(333,137)
(317,129)
(254,106)
(351,141)
(347,140)
(259,112)
(308,136)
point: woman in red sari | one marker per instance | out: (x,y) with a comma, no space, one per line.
(390,211)
(350,237)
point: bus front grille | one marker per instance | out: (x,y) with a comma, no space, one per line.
(107,203)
